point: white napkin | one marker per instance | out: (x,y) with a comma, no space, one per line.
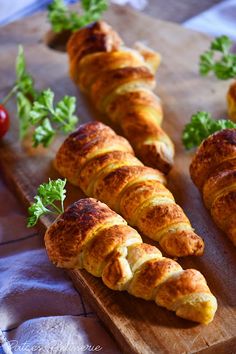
(219,19)
(137,4)
(39,307)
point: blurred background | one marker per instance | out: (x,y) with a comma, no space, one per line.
(214,17)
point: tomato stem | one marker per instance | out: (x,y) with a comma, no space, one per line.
(9,95)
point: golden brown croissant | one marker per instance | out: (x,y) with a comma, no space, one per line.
(103,165)
(89,235)
(120,81)
(213,170)
(231,100)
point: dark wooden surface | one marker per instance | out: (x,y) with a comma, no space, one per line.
(138,326)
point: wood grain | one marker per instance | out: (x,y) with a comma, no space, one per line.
(139,326)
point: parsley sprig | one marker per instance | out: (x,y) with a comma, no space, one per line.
(49,199)
(200,127)
(36,109)
(43,114)
(61,18)
(219,59)
(24,90)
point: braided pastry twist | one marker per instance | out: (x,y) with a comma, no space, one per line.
(120,81)
(213,170)
(89,235)
(103,165)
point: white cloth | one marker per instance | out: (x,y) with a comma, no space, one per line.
(137,4)
(219,19)
(40,311)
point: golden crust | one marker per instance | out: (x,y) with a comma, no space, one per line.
(231,101)
(106,61)
(158,215)
(213,153)
(219,184)
(115,182)
(119,82)
(105,84)
(152,58)
(158,151)
(140,253)
(103,245)
(213,170)
(223,211)
(103,165)
(139,193)
(188,294)
(117,273)
(98,37)
(165,222)
(89,141)
(183,241)
(90,235)
(69,233)
(185,282)
(132,102)
(154,272)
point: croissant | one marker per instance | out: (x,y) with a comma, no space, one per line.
(213,170)
(231,100)
(103,165)
(89,235)
(119,82)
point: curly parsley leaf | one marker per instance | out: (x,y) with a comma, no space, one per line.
(49,199)
(23,110)
(43,134)
(64,114)
(24,81)
(36,210)
(219,60)
(200,127)
(36,109)
(62,19)
(44,115)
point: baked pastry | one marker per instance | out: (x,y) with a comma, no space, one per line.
(103,165)
(89,235)
(119,82)
(213,170)
(231,101)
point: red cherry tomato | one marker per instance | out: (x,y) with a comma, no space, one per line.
(4,121)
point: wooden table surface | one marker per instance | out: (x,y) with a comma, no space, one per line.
(177,10)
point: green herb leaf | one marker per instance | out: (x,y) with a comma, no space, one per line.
(43,134)
(223,67)
(62,19)
(43,107)
(24,80)
(20,63)
(51,191)
(48,194)
(200,127)
(64,114)
(36,210)
(43,115)
(36,109)
(23,111)
(222,44)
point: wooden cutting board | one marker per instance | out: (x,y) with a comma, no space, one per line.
(138,326)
